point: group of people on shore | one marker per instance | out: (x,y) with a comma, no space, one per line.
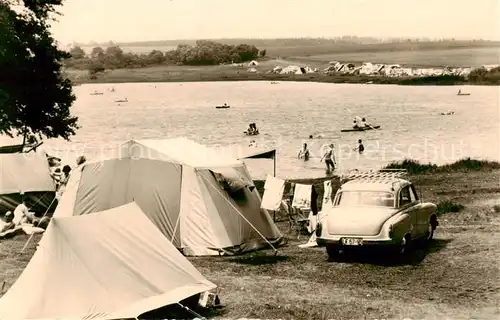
(22,214)
(329,155)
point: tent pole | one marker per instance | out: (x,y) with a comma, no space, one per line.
(274,175)
(241,214)
(192,312)
(274,167)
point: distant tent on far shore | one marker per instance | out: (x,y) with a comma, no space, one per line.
(113,264)
(253,63)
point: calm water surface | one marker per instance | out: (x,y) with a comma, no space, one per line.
(286,114)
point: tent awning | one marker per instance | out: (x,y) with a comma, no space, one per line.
(258,154)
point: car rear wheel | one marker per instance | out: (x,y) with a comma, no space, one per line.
(333,253)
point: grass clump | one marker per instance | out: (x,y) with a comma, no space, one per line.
(466,164)
(412,166)
(469,164)
(447,206)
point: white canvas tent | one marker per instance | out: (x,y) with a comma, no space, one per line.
(113,264)
(204,202)
(26,173)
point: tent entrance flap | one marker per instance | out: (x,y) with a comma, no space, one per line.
(241,214)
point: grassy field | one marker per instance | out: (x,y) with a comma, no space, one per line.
(456,277)
(422,53)
(456,57)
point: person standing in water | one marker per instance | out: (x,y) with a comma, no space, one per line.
(329,157)
(304,153)
(360,148)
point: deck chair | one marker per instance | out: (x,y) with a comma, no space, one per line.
(299,221)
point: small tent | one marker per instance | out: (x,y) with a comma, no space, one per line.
(253,63)
(113,264)
(26,173)
(204,202)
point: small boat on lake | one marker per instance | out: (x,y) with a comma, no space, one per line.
(122,100)
(19,148)
(460,93)
(96,93)
(449,113)
(224,106)
(360,129)
(251,133)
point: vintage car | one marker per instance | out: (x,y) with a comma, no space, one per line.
(376,209)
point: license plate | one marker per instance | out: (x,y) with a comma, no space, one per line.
(352,241)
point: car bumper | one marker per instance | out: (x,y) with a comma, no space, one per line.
(337,242)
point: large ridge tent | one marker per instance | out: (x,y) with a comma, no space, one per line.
(26,173)
(203,202)
(114,264)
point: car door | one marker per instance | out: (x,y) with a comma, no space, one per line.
(420,215)
(407,207)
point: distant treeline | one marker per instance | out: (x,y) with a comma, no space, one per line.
(204,52)
(283,42)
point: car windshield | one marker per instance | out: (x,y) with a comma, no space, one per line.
(365,198)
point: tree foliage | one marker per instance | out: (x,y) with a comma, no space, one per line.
(35,98)
(204,52)
(481,75)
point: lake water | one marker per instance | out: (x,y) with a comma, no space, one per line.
(287,113)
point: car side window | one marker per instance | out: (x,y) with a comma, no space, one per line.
(404,196)
(413,194)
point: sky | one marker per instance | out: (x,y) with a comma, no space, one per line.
(151,20)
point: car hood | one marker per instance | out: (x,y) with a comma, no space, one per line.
(358,220)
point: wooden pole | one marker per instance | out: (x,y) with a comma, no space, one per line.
(274,162)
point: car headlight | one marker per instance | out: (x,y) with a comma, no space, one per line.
(318,229)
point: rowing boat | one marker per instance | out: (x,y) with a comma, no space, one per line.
(360,129)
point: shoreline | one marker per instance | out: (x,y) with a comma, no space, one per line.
(215,74)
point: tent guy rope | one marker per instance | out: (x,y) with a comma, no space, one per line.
(31,236)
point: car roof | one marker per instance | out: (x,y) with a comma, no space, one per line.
(386,185)
(382,180)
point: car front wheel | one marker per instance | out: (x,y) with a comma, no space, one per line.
(433,223)
(405,246)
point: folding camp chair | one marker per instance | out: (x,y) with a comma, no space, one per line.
(299,221)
